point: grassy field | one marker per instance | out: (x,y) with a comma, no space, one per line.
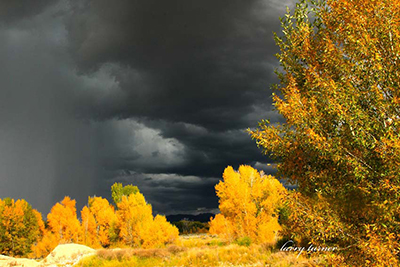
(201,251)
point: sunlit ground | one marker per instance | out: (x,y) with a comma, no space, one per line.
(202,250)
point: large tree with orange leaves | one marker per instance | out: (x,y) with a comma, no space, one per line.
(340,96)
(98,221)
(137,227)
(63,221)
(249,202)
(133,215)
(63,227)
(20,227)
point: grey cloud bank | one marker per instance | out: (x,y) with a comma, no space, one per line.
(153,93)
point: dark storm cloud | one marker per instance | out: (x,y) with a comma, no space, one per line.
(153,93)
(172,194)
(202,62)
(14,10)
(214,149)
(191,74)
(45,153)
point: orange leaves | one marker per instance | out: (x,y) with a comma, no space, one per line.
(138,228)
(133,214)
(63,221)
(63,227)
(23,232)
(248,204)
(380,248)
(341,140)
(45,245)
(158,232)
(104,218)
(222,227)
(20,226)
(89,228)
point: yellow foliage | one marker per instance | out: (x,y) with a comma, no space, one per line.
(222,227)
(20,227)
(63,221)
(88,225)
(133,215)
(248,204)
(46,245)
(99,218)
(340,143)
(138,228)
(158,233)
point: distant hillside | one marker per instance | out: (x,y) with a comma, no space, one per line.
(202,217)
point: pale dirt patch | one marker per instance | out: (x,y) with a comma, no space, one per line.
(62,255)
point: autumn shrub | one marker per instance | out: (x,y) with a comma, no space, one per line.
(249,202)
(174,249)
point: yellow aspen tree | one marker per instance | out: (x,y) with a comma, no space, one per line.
(132,215)
(158,233)
(169,232)
(248,201)
(104,217)
(138,228)
(63,221)
(88,225)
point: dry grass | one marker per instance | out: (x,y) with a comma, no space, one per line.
(200,251)
(119,254)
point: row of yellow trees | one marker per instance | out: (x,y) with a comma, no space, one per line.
(131,223)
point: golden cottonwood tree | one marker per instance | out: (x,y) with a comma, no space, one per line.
(20,227)
(158,233)
(98,220)
(340,96)
(138,228)
(63,221)
(248,202)
(133,214)
(62,227)
(89,227)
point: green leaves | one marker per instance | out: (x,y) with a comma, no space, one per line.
(117,191)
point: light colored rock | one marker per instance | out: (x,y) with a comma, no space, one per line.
(17,262)
(62,255)
(66,255)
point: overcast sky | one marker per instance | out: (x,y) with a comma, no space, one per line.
(157,94)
